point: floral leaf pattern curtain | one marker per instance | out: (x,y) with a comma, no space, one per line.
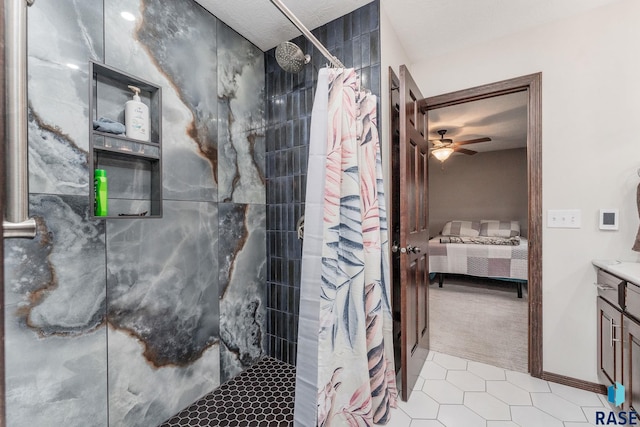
(355,369)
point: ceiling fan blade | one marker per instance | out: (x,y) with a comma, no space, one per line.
(441,141)
(464,151)
(473,141)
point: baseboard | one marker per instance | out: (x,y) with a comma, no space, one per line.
(573,382)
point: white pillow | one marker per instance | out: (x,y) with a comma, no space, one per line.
(491,228)
(461,228)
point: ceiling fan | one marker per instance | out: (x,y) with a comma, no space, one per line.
(444,147)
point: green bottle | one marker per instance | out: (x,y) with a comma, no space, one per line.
(100,187)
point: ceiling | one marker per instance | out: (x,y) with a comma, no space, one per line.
(501,118)
(264,25)
(430,28)
(427,29)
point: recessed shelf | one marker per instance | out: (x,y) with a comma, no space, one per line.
(130,147)
(133,167)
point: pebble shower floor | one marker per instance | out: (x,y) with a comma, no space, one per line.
(260,396)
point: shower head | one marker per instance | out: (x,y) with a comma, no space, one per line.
(291,58)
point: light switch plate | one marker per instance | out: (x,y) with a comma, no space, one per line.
(564,218)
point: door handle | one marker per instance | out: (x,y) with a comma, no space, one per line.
(409,249)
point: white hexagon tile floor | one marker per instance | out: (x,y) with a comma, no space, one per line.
(450,392)
(454,392)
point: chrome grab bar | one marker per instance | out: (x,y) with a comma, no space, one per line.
(16,220)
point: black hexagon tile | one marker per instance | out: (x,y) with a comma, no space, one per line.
(260,396)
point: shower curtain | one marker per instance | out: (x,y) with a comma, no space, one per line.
(345,370)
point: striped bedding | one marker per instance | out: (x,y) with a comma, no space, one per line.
(496,261)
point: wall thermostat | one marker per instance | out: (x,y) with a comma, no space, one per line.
(609,219)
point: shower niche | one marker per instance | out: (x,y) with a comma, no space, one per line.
(133,167)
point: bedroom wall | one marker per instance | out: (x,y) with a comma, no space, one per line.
(490,185)
(590,88)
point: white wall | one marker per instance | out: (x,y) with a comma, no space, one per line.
(591,153)
(491,185)
(392,55)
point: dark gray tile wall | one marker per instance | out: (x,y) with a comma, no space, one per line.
(355,40)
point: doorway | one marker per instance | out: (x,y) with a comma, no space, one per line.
(408,126)
(531,84)
(473,314)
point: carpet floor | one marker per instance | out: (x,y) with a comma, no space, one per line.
(480,319)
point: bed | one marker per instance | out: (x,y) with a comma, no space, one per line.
(486,248)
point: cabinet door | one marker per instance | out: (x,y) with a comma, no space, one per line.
(631,363)
(609,343)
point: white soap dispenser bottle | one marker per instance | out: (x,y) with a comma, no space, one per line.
(136,117)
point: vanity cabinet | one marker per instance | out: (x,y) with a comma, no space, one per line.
(610,332)
(133,167)
(619,335)
(631,362)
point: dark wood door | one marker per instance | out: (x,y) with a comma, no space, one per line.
(631,363)
(609,343)
(393,213)
(411,230)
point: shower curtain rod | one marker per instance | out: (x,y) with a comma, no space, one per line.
(305,31)
(16,217)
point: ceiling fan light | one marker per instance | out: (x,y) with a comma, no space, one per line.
(443,153)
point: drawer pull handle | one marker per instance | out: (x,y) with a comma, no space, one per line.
(604,287)
(613,332)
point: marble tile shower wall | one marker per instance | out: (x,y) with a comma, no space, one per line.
(124,322)
(355,39)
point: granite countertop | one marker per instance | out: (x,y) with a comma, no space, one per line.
(626,270)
